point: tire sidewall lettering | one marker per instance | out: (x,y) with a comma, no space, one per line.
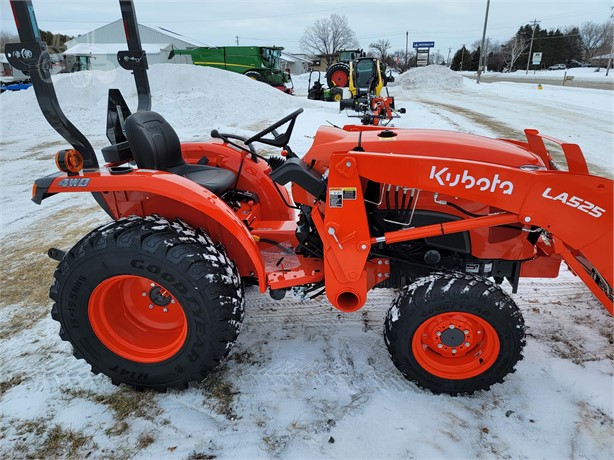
(208,315)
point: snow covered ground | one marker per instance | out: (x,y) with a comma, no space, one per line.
(304,380)
(587,74)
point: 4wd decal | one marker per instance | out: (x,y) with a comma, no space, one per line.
(443,177)
(575,202)
(80,182)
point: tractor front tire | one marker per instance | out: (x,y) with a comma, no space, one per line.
(338,75)
(454,333)
(149,303)
(254,75)
(336,94)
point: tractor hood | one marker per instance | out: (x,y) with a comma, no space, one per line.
(434,143)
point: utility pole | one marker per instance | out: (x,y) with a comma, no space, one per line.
(481,60)
(237,37)
(406,46)
(535,22)
(607,71)
(449,51)
(462,56)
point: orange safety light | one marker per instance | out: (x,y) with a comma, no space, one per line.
(69,161)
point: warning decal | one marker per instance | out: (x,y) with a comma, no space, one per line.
(335,198)
(349,193)
(337,195)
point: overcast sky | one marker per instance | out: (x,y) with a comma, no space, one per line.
(449,24)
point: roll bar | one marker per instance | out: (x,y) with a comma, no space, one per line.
(31,56)
(135,59)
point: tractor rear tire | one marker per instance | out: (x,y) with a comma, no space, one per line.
(149,303)
(454,333)
(338,75)
(254,75)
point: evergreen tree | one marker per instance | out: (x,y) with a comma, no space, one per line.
(55,42)
(524,33)
(573,44)
(474,61)
(461,59)
(456,60)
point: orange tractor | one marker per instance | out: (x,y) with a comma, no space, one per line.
(155,298)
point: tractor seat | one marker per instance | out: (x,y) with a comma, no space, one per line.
(155,145)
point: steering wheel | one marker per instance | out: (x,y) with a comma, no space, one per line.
(281,140)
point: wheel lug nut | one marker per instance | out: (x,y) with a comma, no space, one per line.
(467,344)
(150,306)
(165,309)
(451,326)
(173,301)
(466,331)
(152,284)
(453,351)
(479,332)
(439,345)
(144,294)
(438,333)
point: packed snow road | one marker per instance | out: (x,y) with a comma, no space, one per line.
(304,380)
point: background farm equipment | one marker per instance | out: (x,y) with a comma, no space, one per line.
(338,73)
(257,62)
(155,298)
(318,92)
(367,79)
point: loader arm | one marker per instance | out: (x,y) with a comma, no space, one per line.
(574,209)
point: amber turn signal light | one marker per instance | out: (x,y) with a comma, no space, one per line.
(69,161)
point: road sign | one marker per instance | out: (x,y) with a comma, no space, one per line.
(537,58)
(424,44)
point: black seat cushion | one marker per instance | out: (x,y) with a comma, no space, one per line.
(217,180)
(155,145)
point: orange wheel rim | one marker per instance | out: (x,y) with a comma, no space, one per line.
(137,319)
(455,345)
(340,78)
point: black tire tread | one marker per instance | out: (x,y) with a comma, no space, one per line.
(333,68)
(418,299)
(180,242)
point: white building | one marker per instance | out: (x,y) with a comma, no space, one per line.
(97,50)
(297,63)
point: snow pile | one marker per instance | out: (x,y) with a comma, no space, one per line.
(191,97)
(432,77)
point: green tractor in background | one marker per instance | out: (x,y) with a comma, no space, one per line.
(318,92)
(257,62)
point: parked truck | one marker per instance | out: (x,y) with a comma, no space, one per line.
(257,62)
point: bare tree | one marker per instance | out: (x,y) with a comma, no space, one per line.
(512,50)
(327,36)
(400,62)
(593,37)
(381,47)
(6,37)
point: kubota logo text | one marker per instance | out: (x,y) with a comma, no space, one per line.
(443,177)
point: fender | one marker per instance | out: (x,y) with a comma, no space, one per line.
(170,196)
